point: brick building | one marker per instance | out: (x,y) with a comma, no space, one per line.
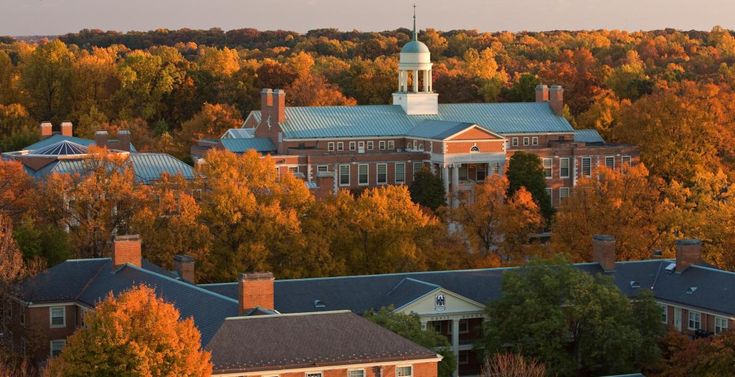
(352,147)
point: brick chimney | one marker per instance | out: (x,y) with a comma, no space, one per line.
(603,251)
(127,250)
(256,290)
(556,99)
(123,139)
(184,265)
(278,114)
(688,252)
(47,129)
(67,129)
(266,105)
(100,139)
(542,93)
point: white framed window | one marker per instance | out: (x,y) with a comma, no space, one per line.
(356,373)
(550,192)
(526,141)
(353,145)
(381,174)
(587,166)
(417,166)
(314,374)
(415,145)
(330,146)
(293,169)
(360,144)
(721,325)
(563,193)
(404,371)
(56,346)
(57,316)
(400,173)
(534,140)
(610,162)
(363,174)
(695,320)
(564,167)
(391,145)
(344,175)
(664,313)
(548,165)
(340,146)
(514,142)
(421,147)
(381,145)
(322,169)
(625,160)
(370,145)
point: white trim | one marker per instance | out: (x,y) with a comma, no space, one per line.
(51,317)
(340,146)
(330,146)
(370,145)
(364,373)
(391,144)
(693,308)
(339,175)
(568,167)
(314,373)
(435,359)
(551,167)
(367,174)
(404,366)
(613,162)
(698,322)
(377,173)
(581,167)
(473,126)
(722,328)
(395,173)
(51,345)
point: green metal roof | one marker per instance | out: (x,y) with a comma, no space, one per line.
(437,129)
(58,138)
(414,47)
(391,120)
(588,136)
(241,145)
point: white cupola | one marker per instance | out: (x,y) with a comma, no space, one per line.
(415,93)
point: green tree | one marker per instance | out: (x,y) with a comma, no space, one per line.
(409,327)
(523,90)
(573,322)
(427,189)
(526,170)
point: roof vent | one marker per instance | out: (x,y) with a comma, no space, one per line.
(319,304)
(635,284)
(671,267)
(691,290)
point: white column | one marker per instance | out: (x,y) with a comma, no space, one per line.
(455,342)
(430,82)
(415,81)
(426,81)
(400,80)
(445,178)
(455,185)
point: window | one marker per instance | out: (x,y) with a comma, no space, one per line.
(56,346)
(57,316)
(417,166)
(563,193)
(464,326)
(340,146)
(362,174)
(352,145)
(548,164)
(695,320)
(370,145)
(587,166)
(356,373)
(514,141)
(526,141)
(534,140)
(406,371)
(564,167)
(550,192)
(382,173)
(344,175)
(330,146)
(421,146)
(293,169)
(721,325)
(415,145)
(361,145)
(381,145)
(625,160)
(314,374)
(391,145)
(322,169)
(664,313)
(400,172)
(610,162)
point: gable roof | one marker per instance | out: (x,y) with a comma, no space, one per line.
(391,120)
(55,138)
(242,145)
(238,133)
(441,129)
(247,344)
(588,136)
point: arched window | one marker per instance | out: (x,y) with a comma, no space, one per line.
(474,149)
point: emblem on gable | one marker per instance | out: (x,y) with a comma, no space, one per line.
(440,302)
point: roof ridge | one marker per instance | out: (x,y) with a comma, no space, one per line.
(91,280)
(300,314)
(194,286)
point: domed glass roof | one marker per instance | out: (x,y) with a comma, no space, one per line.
(414,47)
(62,148)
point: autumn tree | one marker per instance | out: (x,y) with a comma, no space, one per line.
(497,225)
(526,170)
(409,327)
(133,334)
(573,322)
(47,77)
(211,122)
(512,365)
(17,189)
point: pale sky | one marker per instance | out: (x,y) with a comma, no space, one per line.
(50,17)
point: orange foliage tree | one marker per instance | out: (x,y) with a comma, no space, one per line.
(133,334)
(17,189)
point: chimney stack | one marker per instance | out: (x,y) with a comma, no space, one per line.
(279,106)
(123,139)
(47,129)
(256,290)
(127,250)
(688,252)
(542,93)
(603,251)
(556,99)
(184,265)
(67,129)
(266,104)
(100,139)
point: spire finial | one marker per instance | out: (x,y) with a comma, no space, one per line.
(415,35)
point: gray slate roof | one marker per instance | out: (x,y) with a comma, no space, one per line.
(715,288)
(391,120)
(88,281)
(242,145)
(261,343)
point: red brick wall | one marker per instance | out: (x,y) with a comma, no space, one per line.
(429,369)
